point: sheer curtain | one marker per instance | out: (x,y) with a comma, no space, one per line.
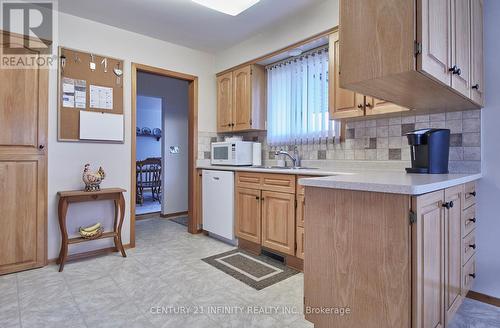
(297,101)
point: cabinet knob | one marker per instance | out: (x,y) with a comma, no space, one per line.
(257,197)
(473,246)
(455,70)
(360,106)
(475,86)
(368,105)
(473,275)
(472,220)
(41,147)
(473,194)
(448,205)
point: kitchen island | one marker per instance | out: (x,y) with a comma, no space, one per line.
(388,249)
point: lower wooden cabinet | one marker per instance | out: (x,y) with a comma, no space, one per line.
(248,214)
(299,239)
(278,221)
(301,206)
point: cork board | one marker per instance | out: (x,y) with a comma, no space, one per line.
(77,67)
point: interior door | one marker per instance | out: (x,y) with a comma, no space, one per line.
(461,46)
(242,97)
(23,171)
(435,37)
(342,103)
(225,102)
(278,221)
(477,60)
(453,250)
(428,254)
(248,214)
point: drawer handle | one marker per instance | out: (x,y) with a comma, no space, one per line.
(475,86)
(473,275)
(448,205)
(473,194)
(472,220)
(473,246)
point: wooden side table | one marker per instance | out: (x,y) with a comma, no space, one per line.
(68,197)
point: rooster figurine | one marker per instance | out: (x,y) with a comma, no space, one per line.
(92,180)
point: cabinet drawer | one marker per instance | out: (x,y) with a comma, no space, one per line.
(468,247)
(248,180)
(468,220)
(278,182)
(300,243)
(469,274)
(469,195)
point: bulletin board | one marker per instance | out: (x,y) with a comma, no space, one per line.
(96,88)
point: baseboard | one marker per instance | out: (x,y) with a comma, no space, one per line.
(173,215)
(484,298)
(97,252)
(139,217)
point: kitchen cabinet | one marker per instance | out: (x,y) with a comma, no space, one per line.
(225,102)
(344,103)
(422,268)
(248,206)
(23,164)
(241,99)
(300,243)
(278,221)
(477,69)
(266,210)
(430,67)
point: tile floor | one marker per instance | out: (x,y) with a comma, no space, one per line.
(149,205)
(164,271)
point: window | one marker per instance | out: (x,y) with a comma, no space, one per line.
(297,101)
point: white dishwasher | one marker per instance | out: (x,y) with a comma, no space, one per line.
(218,203)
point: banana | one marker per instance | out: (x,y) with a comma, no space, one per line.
(91,228)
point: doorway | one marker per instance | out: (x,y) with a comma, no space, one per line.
(193,212)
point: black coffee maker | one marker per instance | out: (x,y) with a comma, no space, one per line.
(430,151)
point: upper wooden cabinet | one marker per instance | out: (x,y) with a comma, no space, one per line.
(420,54)
(241,99)
(344,103)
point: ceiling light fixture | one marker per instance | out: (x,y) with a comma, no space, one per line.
(229,7)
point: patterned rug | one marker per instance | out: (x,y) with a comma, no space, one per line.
(182,220)
(258,272)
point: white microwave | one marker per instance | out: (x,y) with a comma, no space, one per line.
(232,153)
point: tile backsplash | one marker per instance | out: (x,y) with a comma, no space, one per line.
(381,140)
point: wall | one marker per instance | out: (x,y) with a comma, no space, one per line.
(148,115)
(317,19)
(66,160)
(488,227)
(174,95)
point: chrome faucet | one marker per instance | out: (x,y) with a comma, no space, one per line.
(295,158)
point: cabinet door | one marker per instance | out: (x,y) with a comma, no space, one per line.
(23,107)
(376,106)
(428,261)
(453,251)
(435,37)
(342,103)
(248,214)
(23,208)
(460,50)
(278,221)
(242,98)
(301,207)
(225,102)
(477,59)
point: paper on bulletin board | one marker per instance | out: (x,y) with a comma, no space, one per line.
(101,97)
(80,94)
(68,94)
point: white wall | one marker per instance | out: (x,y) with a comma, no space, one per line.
(66,160)
(174,95)
(312,21)
(148,115)
(488,226)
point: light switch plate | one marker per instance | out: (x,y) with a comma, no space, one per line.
(174,149)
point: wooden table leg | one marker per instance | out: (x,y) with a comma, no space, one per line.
(63,254)
(118,230)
